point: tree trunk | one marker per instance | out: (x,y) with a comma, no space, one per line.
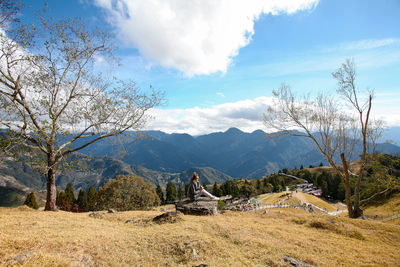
(347,186)
(51,190)
(357,211)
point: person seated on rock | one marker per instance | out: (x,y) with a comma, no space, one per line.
(195,190)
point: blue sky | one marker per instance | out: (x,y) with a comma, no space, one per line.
(218,61)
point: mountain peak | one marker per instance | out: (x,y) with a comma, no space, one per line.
(233,130)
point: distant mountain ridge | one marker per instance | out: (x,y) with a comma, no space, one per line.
(160,157)
(236,153)
(85,171)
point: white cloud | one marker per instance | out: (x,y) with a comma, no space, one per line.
(363,44)
(195,37)
(246,115)
(220,94)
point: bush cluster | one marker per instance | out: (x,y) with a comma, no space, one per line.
(125,192)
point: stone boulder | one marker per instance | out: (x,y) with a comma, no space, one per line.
(202,206)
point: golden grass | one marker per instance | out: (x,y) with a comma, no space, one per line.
(387,208)
(273,198)
(229,239)
(316,201)
(298,198)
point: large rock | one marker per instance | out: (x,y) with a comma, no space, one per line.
(202,206)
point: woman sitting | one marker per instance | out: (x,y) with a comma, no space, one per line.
(195,190)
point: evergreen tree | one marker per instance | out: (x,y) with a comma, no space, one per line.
(311,166)
(226,188)
(92,198)
(31,201)
(170,195)
(301,167)
(235,191)
(258,185)
(83,201)
(160,193)
(246,190)
(265,182)
(181,192)
(69,193)
(341,191)
(307,175)
(321,164)
(63,202)
(216,190)
(324,188)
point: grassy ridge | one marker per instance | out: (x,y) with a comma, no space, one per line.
(383,208)
(230,239)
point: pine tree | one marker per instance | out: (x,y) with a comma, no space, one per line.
(235,191)
(321,164)
(181,192)
(61,201)
(92,198)
(160,194)
(324,189)
(170,193)
(301,167)
(83,201)
(216,190)
(258,185)
(31,201)
(69,193)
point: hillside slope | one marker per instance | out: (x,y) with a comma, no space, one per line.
(230,239)
(17,177)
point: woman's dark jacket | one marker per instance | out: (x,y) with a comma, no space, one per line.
(194,190)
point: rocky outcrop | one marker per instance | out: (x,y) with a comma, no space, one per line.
(202,206)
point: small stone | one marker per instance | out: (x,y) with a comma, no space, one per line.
(296,262)
(129,221)
(111,211)
(19,259)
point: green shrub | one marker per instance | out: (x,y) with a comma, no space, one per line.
(31,201)
(221,204)
(127,192)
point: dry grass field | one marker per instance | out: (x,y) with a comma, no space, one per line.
(298,198)
(384,209)
(229,239)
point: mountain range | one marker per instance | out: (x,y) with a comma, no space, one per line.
(160,157)
(236,153)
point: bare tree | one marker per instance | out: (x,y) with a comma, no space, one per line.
(338,128)
(8,12)
(51,95)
